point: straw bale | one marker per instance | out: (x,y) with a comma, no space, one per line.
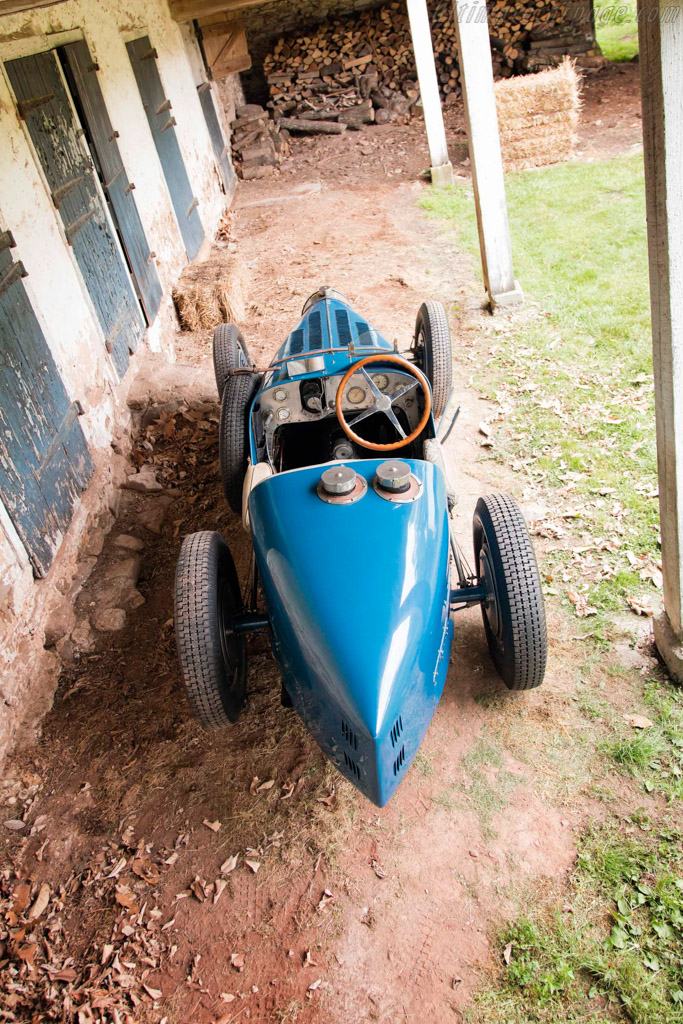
(211,292)
(538,116)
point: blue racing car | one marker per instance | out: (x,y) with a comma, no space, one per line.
(333,458)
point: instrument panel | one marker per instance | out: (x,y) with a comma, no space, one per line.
(313,398)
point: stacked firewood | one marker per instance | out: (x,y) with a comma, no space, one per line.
(258,145)
(326,65)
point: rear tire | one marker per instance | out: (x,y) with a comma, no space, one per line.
(238,394)
(213,660)
(229,352)
(514,613)
(432,347)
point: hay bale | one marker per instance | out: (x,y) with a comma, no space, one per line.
(211,293)
(538,116)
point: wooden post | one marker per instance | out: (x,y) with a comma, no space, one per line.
(442,170)
(476,78)
(660,32)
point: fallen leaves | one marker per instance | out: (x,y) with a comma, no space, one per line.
(581,606)
(213,825)
(253,865)
(640,605)
(637,721)
(237,961)
(40,904)
(229,865)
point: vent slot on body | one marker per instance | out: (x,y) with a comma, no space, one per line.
(343,326)
(361,329)
(400,760)
(349,735)
(315,331)
(396,731)
(296,342)
(352,766)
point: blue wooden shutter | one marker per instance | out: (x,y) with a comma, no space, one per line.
(221,151)
(43,102)
(44,459)
(117,187)
(162,125)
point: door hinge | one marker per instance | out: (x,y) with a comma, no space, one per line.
(71,230)
(25,107)
(169,124)
(193,206)
(150,54)
(166,105)
(7,241)
(16,270)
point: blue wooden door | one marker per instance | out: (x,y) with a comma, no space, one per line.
(44,459)
(143,58)
(81,74)
(221,151)
(43,102)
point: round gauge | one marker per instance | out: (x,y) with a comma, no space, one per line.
(356,395)
(381,381)
(283,414)
(279,394)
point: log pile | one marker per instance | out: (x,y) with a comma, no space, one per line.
(258,145)
(347,61)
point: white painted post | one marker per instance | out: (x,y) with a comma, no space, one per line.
(476,79)
(442,170)
(660,32)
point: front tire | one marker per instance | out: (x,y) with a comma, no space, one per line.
(213,659)
(229,353)
(233,448)
(514,613)
(432,347)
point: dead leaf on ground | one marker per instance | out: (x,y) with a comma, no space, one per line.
(254,865)
(220,886)
(229,865)
(638,721)
(326,898)
(40,903)
(237,961)
(213,825)
(640,605)
(507,953)
(378,869)
(265,786)
(153,993)
(330,800)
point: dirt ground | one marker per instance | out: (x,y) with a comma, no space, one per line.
(234,876)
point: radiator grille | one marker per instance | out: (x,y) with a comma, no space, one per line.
(396,731)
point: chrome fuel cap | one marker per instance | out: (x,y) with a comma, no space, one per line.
(394,476)
(338,480)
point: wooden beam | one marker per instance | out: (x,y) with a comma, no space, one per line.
(476,77)
(188,10)
(442,171)
(17,6)
(660,23)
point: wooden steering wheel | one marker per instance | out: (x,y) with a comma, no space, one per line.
(383,403)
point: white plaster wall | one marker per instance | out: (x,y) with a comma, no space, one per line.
(57,292)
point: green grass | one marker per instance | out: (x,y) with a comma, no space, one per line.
(572,384)
(612,950)
(654,756)
(616,28)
